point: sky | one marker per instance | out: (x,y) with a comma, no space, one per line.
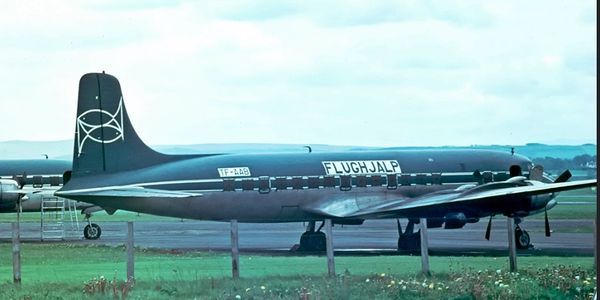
(369,73)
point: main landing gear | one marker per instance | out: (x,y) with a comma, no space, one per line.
(522,240)
(91,231)
(311,240)
(409,241)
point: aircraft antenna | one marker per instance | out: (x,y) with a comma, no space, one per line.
(512,151)
(309,148)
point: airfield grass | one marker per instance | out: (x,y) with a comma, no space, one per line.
(54,271)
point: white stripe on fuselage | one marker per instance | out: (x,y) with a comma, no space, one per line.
(216,180)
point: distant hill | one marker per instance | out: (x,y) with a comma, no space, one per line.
(33,149)
(531,150)
(63,149)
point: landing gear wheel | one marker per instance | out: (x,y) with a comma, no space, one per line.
(312,241)
(92,231)
(410,242)
(522,238)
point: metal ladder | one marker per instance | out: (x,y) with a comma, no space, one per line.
(52,217)
(74,218)
(53,224)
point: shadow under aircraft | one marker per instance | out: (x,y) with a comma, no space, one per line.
(113,168)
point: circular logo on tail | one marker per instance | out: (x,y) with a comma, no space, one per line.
(87,131)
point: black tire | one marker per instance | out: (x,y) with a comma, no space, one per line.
(312,242)
(522,239)
(92,232)
(410,242)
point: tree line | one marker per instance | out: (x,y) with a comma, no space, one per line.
(583,161)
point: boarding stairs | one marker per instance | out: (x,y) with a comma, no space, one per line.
(55,212)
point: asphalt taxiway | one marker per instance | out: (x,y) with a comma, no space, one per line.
(570,237)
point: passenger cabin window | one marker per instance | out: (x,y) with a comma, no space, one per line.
(264,184)
(248,184)
(329,181)
(228,185)
(361,181)
(297,183)
(314,182)
(502,176)
(281,183)
(405,179)
(392,181)
(421,179)
(436,178)
(54,181)
(345,183)
(375,180)
(37,181)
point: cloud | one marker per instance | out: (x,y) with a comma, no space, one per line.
(385,73)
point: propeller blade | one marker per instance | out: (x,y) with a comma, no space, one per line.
(536,173)
(489,229)
(563,177)
(399,226)
(21,181)
(546,223)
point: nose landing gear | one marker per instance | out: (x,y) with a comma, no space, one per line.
(522,238)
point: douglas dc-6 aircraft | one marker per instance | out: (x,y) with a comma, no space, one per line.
(114,169)
(31,180)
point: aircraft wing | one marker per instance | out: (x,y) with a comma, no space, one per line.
(129,191)
(491,193)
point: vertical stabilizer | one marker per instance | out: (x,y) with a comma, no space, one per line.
(105,140)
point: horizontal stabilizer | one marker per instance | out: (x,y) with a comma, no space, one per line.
(25,191)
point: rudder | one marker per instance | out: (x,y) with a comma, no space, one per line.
(105,140)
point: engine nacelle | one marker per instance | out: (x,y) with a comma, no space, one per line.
(458,220)
(348,221)
(8,199)
(435,222)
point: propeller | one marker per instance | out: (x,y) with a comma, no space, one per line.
(21,180)
(546,223)
(489,229)
(563,177)
(399,227)
(536,173)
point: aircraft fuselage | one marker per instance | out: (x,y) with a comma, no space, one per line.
(275,187)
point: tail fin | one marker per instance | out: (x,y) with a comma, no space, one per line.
(105,140)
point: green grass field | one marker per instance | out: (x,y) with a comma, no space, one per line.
(66,271)
(566,211)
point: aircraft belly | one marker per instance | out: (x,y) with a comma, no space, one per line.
(252,206)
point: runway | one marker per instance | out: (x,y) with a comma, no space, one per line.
(570,237)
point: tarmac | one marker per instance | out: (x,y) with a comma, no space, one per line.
(374,237)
